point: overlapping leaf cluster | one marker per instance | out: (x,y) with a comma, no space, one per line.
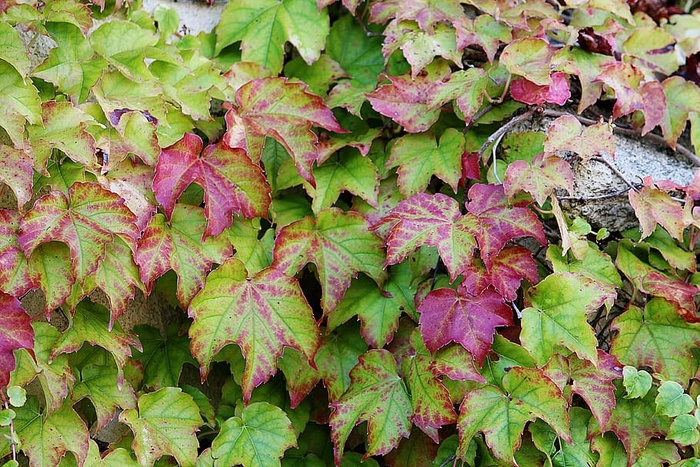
(357,279)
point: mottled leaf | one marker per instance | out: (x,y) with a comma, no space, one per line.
(100,384)
(653,206)
(567,134)
(682,100)
(15,276)
(672,400)
(165,423)
(20,103)
(16,171)
(338,243)
(530,58)
(419,47)
(508,269)
(377,395)
(539,178)
(557,92)
(337,355)
(261,314)
(15,333)
(257,437)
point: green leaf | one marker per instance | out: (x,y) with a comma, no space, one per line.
(319,76)
(657,337)
(348,171)
(100,384)
(15,274)
(71,65)
(50,269)
(557,316)
(358,53)
(502,416)
(118,457)
(338,354)
(261,314)
(378,396)
(253,247)
(12,49)
(256,438)
(129,52)
(263,27)
(672,401)
(682,100)
(529,58)
(17,396)
(163,358)
(299,375)
(339,243)
(420,156)
(637,382)
(164,424)
(20,103)
(593,263)
(684,430)
(6,417)
(91,323)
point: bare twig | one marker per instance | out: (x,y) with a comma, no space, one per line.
(615,171)
(501,131)
(594,198)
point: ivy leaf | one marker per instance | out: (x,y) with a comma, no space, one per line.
(264,27)
(17,172)
(431,220)
(284,111)
(164,424)
(637,383)
(467,88)
(448,315)
(420,47)
(420,156)
(349,171)
(378,396)
(406,100)
(134,132)
(100,384)
(90,323)
(163,358)
(595,385)
(127,54)
(557,316)
(50,270)
(425,12)
(337,355)
(300,377)
(539,178)
(485,31)
(118,457)
(672,400)
(502,416)
(15,333)
(378,310)
(178,245)
(624,79)
(338,243)
(530,58)
(13,50)
(253,244)
(653,206)
(567,134)
(587,66)
(261,314)
(357,53)
(657,337)
(46,438)
(257,437)
(557,92)
(71,65)
(230,180)
(508,269)
(682,101)
(432,406)
(15,276)
(20,101)
(86,220)
(455,362)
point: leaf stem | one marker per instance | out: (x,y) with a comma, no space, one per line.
(501,131)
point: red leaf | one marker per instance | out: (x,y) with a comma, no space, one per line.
(595,384)
(624,79)
(284,111)
(230,180)
(448,316)
(653,206)
(14,273)
(15,333)
(539,178)
(557,92)
(508,269)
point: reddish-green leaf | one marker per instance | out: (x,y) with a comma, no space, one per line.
(455,362)
(338,354)
(448,315)
(595,384)
(178,245)
(338,243)
(16,171)
(683,100)
(15,333)
(420,47)
(657,337)
(15,277)
(557,314)
(263,27)
(624,79)
(485,31)
(431,220)
(299,375)
(653,206)
(467,88)
(284,111)
(406,101)
(432,406)
(90,323)
(529,58)
(377,395)
(100,384)
(539,178)
(567,134)
(420,156)
(502,416)
(257,437)
(426,12)
(50,270)
(230,180)
(508,269)
(86,220)
(164,424)
(557,92)
(587,66)
(261,314)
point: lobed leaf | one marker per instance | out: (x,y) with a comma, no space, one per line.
(15,333)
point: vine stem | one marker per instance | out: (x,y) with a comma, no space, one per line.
(13,445)
(501,131)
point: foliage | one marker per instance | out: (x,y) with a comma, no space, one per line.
(310,186)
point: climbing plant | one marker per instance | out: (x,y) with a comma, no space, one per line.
(365,255)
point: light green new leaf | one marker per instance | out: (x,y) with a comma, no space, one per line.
(378,396)
(637,382)
(419,157)
(348,171)
(19,102)
(45,439)
(657,337)
(684,430)
(672,400)
(13,50)
(557,316)
(100,384)
(263,27)
(71,65)
(124,44)
(256,438)
(164,424)
(502,416)
(262,314)
(118,457)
